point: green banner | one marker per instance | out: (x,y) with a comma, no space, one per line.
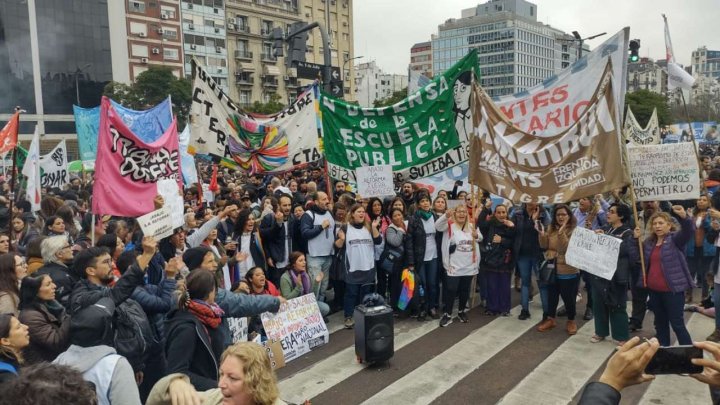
(424,134)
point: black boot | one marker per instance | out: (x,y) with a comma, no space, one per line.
(588,314)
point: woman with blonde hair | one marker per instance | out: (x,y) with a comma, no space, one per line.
(246,378)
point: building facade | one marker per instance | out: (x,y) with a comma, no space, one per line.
(646,74)
(706,63)
(421,58)
(515,51)
(154,36)
(204,37)
(373,84)
(256,74)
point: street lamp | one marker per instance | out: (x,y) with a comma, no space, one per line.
(345,57)
(77,86)
(580,41)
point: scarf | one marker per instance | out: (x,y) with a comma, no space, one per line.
(425,215)
(209,315)
(304,278)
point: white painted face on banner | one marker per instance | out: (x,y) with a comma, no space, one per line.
(461,95)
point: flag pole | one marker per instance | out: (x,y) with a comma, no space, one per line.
(12,179)
(695,146)
(631,190)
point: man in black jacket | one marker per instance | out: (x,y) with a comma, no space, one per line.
(278,238)
(58,257)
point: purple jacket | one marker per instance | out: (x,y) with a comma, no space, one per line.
(672,251)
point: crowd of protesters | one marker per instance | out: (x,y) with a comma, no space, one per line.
(145,320)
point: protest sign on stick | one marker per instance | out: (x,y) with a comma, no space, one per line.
(375,181)
(664,172)
(593,252)
(298,326)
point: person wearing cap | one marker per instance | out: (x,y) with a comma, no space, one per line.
(92,354)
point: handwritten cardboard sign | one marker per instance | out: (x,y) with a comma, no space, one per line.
(298,326)
(375,181)
(664,172)
(593,252)
(157,224)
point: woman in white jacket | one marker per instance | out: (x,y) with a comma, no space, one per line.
(461,256)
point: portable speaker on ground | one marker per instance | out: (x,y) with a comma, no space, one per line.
(374,333)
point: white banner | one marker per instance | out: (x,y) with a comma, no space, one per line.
(258,144)
(593,252)
(157,224)
(54,167)
(238,329)
(375,181)
(298,326)
(637,135)
(664,172)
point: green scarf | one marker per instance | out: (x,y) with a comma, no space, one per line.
(425,215)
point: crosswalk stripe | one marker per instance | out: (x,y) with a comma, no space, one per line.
(557,379)
(314,380)
(677,389)
(427,382)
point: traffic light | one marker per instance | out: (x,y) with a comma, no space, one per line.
(278,41)
(298,43)
(634,47)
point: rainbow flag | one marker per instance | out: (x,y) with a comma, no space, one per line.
(408,288)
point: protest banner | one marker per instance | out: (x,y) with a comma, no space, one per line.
(554,105)
(455,203)
(375,181)
(581,161)
(258,144)
(127,169)
(422,135)
(187,166)
(704,132)
(298,326)
(157,224)
(664,172)
(54,167)
(168,188)
(87,122)
(593,252)
(637,135)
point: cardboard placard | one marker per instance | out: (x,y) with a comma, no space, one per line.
(664,172)
(375,181)
(593,252)
(157,224)
(298,326)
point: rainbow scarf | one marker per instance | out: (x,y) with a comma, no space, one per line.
(408,288)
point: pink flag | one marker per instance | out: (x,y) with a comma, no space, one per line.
(127,169)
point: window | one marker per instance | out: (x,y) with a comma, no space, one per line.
(136,6)
(242,23)
(171,54)
(138,28)
(266,27)
(170,33)
(168,11)
(244,97)
(139,51)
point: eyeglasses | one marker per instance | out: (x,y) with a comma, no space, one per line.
(67,247)
(21,264)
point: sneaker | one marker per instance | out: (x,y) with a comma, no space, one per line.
(445,320)
(561,312)
(524,314)
(349,323)
(588,314)
(421,316)
(546,325)
(434,314)
(462,316)
(597,339)
(571,328)
(714,337)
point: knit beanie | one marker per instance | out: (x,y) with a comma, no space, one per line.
(193,257)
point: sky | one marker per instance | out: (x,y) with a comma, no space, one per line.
(385,30)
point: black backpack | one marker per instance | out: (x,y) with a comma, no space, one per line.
(133,336)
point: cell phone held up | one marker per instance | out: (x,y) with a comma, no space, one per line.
(675,360)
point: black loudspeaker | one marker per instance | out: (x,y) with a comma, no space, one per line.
(374,333)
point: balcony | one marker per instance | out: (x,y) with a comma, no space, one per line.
(243,28)
(265,32)
(242,54)
(269,57)
(270,82)
(291,82)
(241,80)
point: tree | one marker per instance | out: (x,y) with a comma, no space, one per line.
(642,103)
(271,107)
(150,88)
(396,97)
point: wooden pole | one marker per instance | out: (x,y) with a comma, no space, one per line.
(473,283)
(631,189)
(695,146)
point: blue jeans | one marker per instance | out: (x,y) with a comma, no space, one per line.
(668,309)
(526,266)
(316,264)
(428,272)
(354,293)
(716,301)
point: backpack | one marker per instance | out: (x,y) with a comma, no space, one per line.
(133,336)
